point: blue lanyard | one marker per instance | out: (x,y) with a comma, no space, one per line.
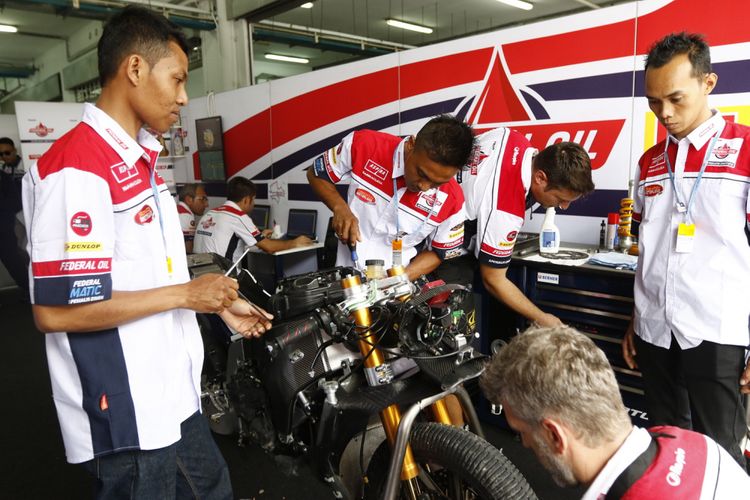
(155,191)
(681,207)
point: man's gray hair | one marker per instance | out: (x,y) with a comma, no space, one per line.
(188,190)
(558,373)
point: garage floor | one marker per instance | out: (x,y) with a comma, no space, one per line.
(32,463)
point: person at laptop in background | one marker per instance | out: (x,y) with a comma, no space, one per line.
(228,229)
(402,191)
(193,201)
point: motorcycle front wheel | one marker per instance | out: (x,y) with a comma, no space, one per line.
(454,464)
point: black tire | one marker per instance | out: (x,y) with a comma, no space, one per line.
(451,454)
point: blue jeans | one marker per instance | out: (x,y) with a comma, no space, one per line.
(191,468)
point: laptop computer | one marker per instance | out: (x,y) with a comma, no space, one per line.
(301,222)
(260,216)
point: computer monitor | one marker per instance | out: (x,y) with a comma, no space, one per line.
(260,216)
(302,222)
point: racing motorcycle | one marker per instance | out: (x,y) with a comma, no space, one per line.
(362,377)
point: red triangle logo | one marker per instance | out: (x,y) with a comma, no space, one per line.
(498,102)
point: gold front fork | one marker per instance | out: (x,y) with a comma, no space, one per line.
(391,416)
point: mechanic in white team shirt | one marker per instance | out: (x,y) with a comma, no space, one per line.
(228,230)
(401,189)
(193,202)
(110,285)
(503,179)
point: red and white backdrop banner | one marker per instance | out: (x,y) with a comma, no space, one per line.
(576,78)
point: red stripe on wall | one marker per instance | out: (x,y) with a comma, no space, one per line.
(616,40)
(250,139)
(320,107)
(443,72)
(591,44)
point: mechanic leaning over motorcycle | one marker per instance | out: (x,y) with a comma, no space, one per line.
(403,191)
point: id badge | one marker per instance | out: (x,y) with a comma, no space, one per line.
(685,238)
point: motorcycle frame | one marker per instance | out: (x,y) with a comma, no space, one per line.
(404,431)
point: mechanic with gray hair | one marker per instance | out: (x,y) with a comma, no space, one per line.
(559,392)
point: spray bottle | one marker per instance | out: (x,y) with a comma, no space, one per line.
(549,236)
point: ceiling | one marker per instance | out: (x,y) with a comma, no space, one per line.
(360,23)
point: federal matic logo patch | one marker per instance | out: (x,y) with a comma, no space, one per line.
(81,223)
(511,235)
(653,190)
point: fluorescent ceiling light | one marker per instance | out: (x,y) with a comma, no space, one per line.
(519,4)
(279,57)
(6,28)
(308,5)
(408,26)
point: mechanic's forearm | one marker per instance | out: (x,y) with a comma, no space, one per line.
(425,262)
(509,294)
(271,246)
(122,308)
(327,192)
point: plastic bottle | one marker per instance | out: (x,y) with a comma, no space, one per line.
(603,235)
(396,246)
(276,234)
(613,220)
(549,236)
(375,269)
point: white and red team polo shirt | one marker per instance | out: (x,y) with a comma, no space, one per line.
(371,161)
(702,295)
(688,466)
(94,226)
(495,184)
(227,231)
(187,221)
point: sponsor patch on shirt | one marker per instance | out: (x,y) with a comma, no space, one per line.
(477,157)
(511,235)
(319,167)
(82,246)
(725,153)
(86,290)
(122,172)
(431,202)
(653,190)
(375,172)
(144,215)
(456,252)
(117,139)
(81,223)
(365,196)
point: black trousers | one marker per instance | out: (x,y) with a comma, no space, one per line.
(10,254)
(696,389)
